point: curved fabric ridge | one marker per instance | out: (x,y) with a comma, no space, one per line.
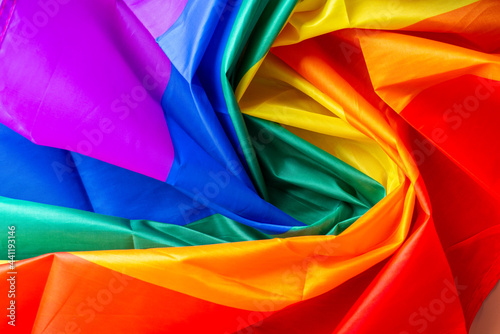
(398,84)
(239,34)
(312,18)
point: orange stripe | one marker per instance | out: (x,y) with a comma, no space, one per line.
(67,294)
(476,23)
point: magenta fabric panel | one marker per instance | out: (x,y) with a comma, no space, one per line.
(81,81)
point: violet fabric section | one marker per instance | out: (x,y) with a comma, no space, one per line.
(157,15)
(75,76)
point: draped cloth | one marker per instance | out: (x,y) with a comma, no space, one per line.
(248,166)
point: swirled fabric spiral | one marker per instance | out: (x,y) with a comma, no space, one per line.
(248,166)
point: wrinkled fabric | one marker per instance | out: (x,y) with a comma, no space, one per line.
(248,166)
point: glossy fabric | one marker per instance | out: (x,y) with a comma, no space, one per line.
(318,181)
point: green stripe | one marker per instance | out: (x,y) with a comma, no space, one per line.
(267,29)
(269,18)
(42,228)
(308,183)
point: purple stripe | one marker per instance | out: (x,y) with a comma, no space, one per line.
(87,76)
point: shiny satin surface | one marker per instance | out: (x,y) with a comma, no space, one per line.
(319,182)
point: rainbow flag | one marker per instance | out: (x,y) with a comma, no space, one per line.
(248,166)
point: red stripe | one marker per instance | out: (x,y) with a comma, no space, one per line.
(461,117)
(80,295)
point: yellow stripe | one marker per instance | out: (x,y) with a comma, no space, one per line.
(314,17)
